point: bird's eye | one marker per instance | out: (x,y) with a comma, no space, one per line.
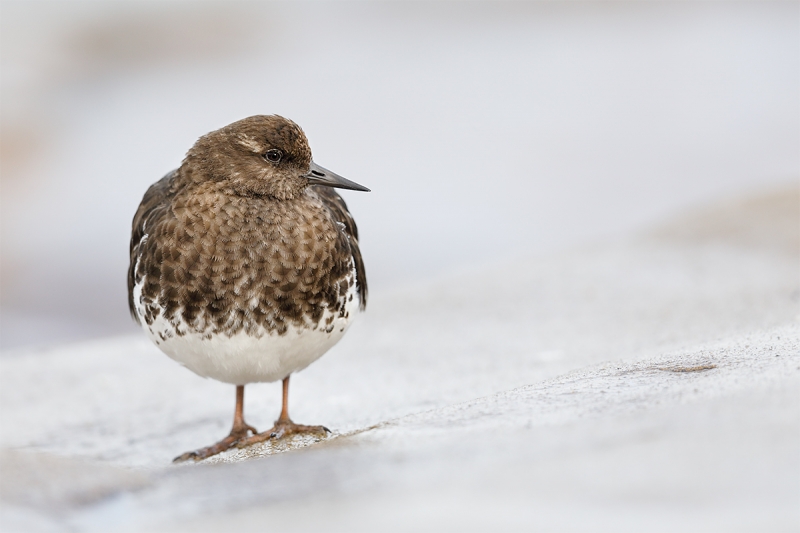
(273,156)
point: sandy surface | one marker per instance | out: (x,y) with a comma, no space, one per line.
(646,384)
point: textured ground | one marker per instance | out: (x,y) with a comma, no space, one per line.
(647,384)
(651,384)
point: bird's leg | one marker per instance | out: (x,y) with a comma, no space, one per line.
(239,431)
(284,426)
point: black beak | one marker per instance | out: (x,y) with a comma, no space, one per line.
(318,175)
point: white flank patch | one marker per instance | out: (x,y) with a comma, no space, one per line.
(241,358)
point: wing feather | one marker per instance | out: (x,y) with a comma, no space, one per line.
(154,206)
(338,209)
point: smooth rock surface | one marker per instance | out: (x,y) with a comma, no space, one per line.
(647,384)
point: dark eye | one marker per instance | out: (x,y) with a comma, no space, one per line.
(273,156)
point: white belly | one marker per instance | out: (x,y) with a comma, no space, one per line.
(241,358)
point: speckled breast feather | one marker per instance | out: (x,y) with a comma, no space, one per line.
(214,263)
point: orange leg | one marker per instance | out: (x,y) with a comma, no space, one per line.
(239,431)
(284,426)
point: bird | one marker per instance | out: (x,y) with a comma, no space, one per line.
(245,264)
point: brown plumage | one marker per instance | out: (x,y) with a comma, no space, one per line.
(244,261)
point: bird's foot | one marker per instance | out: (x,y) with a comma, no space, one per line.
(281,429)
(237,433)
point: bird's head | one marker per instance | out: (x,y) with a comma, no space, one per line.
(263,155)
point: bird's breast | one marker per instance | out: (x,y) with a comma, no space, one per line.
(229,266)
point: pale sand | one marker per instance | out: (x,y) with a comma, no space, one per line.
(650,384)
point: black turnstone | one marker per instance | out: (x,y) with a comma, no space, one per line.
(245,264)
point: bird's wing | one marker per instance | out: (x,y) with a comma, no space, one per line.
(338,209)
(154,206)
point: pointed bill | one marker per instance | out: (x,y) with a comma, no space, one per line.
(318,175)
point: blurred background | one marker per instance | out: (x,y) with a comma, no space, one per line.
(486,130)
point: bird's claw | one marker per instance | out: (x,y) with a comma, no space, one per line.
(281,429)
(237,434)
(185,457)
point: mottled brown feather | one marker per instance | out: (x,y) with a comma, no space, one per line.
(219,249)
(153,207)
(338,207)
